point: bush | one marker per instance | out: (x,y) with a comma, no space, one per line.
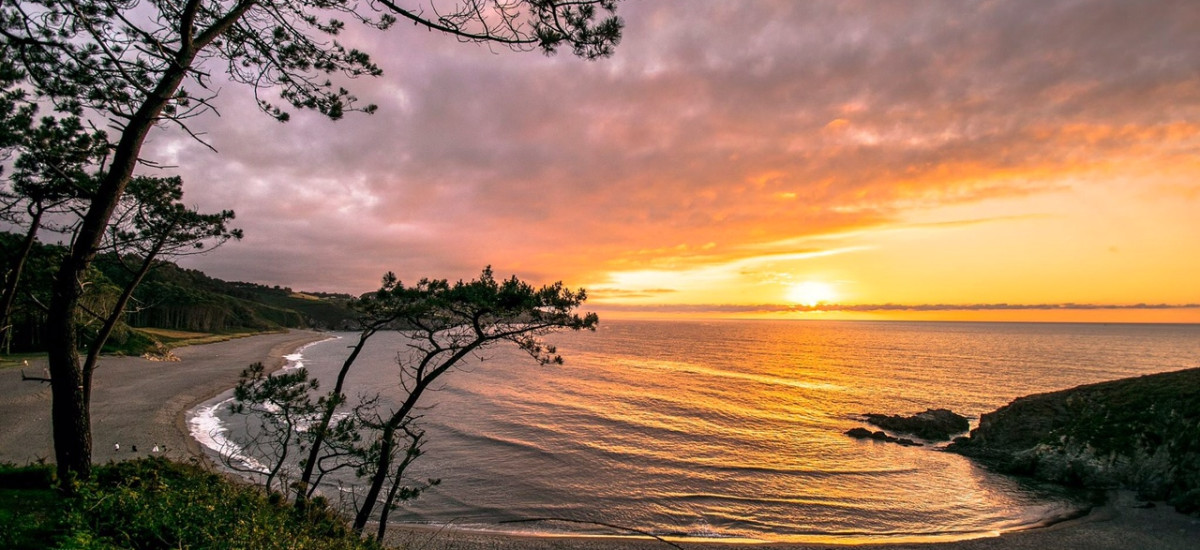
(1187,503)
(29,511)
(155,503)
(26,477)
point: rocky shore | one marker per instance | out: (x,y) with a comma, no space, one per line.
(1140,434)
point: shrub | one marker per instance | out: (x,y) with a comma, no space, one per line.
(155,503)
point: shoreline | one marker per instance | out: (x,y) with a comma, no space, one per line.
(276,359)
(141,402)
(494,536)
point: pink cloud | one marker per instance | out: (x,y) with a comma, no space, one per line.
(726,123)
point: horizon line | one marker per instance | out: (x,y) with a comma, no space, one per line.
(889,307)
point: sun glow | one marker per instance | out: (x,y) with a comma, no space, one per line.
(811,293)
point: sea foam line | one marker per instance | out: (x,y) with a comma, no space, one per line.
(207,428)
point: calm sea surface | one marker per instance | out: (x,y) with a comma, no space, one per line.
(735,428)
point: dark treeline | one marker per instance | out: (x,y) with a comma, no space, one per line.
(170,297)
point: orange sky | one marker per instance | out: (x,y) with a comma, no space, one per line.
(1097,240)
(944,156)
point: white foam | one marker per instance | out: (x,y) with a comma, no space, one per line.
(207,428)
(210,431)
(295,360)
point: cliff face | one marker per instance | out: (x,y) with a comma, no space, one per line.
(1138,433)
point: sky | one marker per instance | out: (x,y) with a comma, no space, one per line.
(971,160)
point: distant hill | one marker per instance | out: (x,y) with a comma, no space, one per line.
(170,298)
(175,298)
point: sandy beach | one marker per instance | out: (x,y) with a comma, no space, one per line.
(143,403)
(137,402)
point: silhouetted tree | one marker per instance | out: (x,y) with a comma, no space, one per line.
(379,310)
(27,315)
(279,406)
(50,175)
(448,323)
(152,223)
(141,64)
(443,325)
(16,111)
(400,487)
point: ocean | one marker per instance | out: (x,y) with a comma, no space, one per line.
(734,429)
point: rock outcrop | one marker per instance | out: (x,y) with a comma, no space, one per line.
(931,425)
(1138,433)
(863,433)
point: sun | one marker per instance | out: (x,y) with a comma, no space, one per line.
(811,293)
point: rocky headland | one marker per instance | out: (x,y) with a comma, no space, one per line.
(1139,433)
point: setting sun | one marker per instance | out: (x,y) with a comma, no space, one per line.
(811,293)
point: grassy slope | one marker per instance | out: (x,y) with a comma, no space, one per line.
(153,503)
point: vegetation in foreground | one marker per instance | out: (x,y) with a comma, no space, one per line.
(156,503)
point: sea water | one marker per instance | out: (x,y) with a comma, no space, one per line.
(735,429)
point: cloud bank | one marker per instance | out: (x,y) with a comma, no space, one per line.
(719,132)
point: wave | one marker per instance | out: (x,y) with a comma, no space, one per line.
(208,429)
(206,426)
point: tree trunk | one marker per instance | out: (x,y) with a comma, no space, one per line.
(384,463)
(114,316)
(383,466)
(69,415)
(70,418)
(14,273)
(386,508)
(303,489)
(389,502)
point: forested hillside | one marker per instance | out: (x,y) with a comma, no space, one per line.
(170,298)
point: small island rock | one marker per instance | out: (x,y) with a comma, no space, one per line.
(932,425)
(863,433)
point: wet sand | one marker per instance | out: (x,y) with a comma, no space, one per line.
(142,403)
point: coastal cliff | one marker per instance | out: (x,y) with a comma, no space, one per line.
(1137,433)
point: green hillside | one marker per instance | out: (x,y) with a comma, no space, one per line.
(170,301)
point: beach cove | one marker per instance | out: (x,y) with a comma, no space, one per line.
(143,403)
